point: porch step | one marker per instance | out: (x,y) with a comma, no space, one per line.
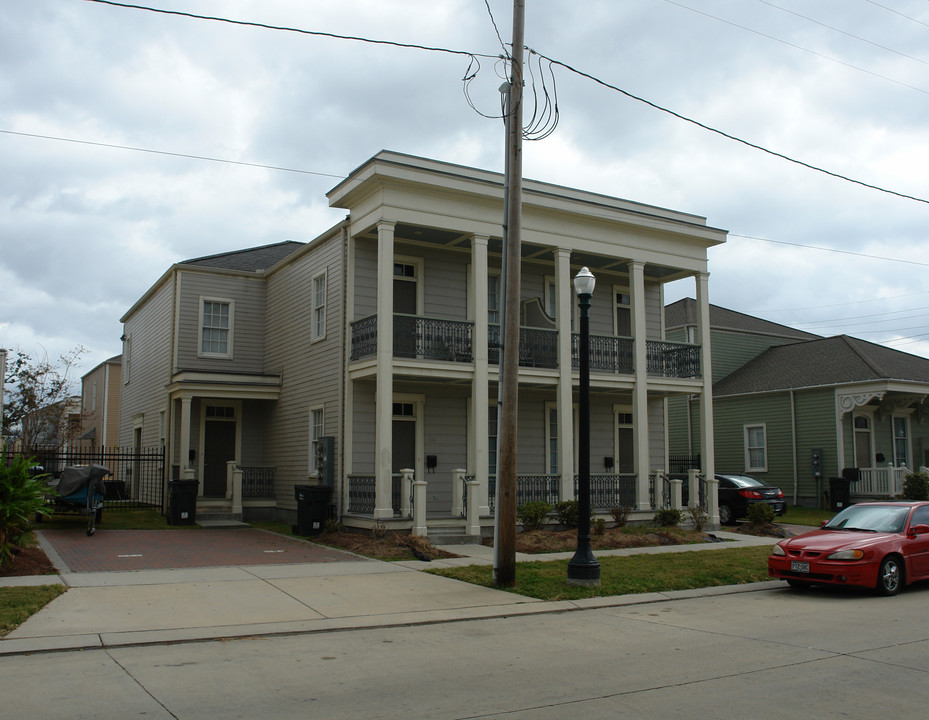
(221,524)
(450,536)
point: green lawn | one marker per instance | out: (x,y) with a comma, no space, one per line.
(797,515)
(113,519)
(18,603)
(634,574)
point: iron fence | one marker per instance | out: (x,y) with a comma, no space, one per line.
(610,491)
(257,482)
(137,474)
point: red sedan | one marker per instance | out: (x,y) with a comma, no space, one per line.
(881,545)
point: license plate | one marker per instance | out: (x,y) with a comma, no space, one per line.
(797,566)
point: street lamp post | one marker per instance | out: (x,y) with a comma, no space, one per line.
(583,568)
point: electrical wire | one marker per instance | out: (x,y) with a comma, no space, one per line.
(493,22)
(895,12)
(172,154)
(795,46)
(832,250)
(841,32)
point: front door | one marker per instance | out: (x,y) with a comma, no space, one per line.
(218,449)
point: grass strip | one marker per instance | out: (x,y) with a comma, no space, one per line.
(630,575)
(18,603)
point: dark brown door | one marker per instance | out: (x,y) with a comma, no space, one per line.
(218,449)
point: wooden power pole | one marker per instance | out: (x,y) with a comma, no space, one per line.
(505,542)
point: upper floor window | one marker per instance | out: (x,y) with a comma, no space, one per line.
(623,314)
(216,324)
(756,449)
(319,307)
(493,299)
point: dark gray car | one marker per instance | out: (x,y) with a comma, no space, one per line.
(737,492)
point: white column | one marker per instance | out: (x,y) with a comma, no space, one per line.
(185,436)
(640,393)
(472,517)
(383,429)
(419,502)
(564,298)
(707,455)
(480,382)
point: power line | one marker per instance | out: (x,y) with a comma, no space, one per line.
(895,12)
(832,250)
(794,45)
(841,32)
(284,28)
(551,61)
(172,154)
(496,29)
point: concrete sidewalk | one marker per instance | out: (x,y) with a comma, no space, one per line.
(113,609)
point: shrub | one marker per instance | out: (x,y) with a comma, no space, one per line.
(620,515)
(599,526)
(916,486)
(532,515)
(760,514)
(698,517)
(22,495)
(668,518)
(567,513)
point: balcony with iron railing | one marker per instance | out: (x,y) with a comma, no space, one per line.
(453,341)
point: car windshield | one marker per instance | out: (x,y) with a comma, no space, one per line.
(870,518)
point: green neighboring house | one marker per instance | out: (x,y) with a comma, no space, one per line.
(797,409)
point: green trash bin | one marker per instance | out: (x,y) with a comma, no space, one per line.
(313,503)
(182,502)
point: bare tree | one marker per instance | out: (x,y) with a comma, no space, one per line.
(38,399)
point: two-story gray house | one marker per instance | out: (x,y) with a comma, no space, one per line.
(374,349)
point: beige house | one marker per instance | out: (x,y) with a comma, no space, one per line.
(369,356)
(100,390)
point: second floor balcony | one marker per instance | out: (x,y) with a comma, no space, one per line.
(453,341)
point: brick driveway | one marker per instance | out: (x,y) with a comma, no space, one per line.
(110,550)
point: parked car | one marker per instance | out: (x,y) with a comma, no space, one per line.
(737,492)
(881,545)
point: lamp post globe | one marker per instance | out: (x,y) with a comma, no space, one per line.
(583,568)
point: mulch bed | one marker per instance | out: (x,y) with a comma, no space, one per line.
(28,561)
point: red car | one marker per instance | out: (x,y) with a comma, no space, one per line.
(881,545)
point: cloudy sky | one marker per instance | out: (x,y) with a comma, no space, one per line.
(132,139)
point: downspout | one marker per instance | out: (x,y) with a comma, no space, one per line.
(793,443)
(340,480)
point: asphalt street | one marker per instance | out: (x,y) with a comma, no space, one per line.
(768,653)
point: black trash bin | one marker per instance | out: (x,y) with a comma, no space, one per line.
(182,502)
(312,508)
(840,496)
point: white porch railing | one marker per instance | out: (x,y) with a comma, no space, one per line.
(879,482)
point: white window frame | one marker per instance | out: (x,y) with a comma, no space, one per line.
(495,276)
(230,331)
(746,429)
(417,279)
(127,353)
(623,417)
(855,437)
(907,438)
(317,429)
(551,439)
(318,316)
(550,297)
(621,290)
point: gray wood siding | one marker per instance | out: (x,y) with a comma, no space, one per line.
(445,284)
(363,428)
(311,371)
(365,278)
(150,334)
(656,439)
(248,293)
(445,436)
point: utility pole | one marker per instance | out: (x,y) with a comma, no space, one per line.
(505,542)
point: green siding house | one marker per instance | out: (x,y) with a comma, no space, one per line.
(797,409)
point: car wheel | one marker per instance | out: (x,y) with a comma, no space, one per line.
(725,515)
(799,584)
(890,575)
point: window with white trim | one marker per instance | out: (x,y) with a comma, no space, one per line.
(493,299)
(756,449)
(552,464)
(319,307)
(622,312)
(216,323)
(492,440)
(316,432)
(901,440)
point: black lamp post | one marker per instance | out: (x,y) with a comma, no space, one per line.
(583,568)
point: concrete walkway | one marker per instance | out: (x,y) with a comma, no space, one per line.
(139,607)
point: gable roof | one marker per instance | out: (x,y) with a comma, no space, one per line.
(683,313)
(823,362)
(249,260)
